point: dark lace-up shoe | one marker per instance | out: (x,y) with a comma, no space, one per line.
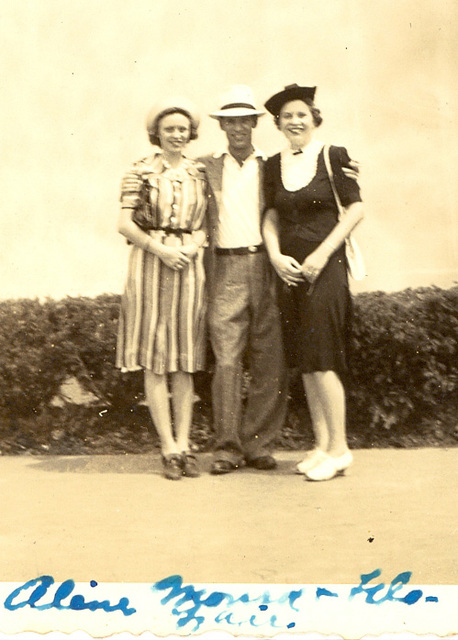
(219,467)
(172,467)
(265,463)
(189,465)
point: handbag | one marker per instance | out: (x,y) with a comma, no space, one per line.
(355,261)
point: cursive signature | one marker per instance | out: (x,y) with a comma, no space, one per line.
(77,602)
(189,601)
(274,607)
(191,605)
(396,585)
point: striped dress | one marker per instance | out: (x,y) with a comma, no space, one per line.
(162,319)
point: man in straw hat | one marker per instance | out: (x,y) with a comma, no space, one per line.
(243,315)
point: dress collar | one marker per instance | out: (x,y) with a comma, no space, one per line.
(299,169)
(312,149)
(157,164)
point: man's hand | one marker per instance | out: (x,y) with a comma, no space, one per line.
(353,170)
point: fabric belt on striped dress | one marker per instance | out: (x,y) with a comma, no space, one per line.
(240,251)
(172,230)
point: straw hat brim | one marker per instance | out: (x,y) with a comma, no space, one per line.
(236,112)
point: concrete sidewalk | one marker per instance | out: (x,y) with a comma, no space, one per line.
(115,518)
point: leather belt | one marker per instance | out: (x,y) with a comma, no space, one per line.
(240,251)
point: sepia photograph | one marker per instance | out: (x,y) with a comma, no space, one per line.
(229,318)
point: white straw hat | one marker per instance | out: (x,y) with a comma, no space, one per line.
(237,101)
(171,103)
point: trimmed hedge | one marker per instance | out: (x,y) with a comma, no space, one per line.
(402,392)
(405,362)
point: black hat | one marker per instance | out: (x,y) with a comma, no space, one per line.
(291,92)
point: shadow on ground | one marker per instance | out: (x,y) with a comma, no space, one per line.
(144,464)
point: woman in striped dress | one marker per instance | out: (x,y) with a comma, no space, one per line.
(161,329)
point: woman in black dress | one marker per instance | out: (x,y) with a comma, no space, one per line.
(306,244)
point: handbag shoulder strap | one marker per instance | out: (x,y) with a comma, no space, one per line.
(327,162)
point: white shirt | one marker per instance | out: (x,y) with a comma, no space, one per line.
(239,222)
(299,169)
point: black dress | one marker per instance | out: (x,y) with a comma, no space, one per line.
(315,318)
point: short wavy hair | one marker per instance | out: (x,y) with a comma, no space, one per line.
(153,132)
(316,113)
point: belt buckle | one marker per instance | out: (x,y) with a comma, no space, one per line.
(252,248)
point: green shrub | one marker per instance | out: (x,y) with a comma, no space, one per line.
(86,330)
(30,372)
(402,391)
(404,361)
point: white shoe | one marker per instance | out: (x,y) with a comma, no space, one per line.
(311,459)
(330,467)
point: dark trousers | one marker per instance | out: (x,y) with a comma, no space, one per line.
(245,326)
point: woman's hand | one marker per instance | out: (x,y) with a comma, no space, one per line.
(288,269)
(174,257)
(190,249)
(314,264)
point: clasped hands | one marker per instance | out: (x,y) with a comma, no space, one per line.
(178,257)
(294,273)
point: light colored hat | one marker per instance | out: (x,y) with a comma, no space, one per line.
(237,101)
(171,103)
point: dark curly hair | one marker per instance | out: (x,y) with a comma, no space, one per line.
(153,133)
(316,113)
